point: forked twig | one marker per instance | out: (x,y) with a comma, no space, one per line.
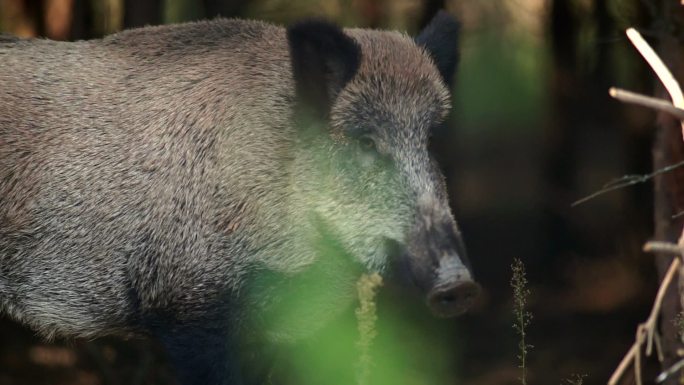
(646,332)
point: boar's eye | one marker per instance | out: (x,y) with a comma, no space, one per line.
(368,152)
(367,143)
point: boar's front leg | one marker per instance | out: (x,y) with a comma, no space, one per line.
(200,354)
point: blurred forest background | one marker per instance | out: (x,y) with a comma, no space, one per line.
(533,129)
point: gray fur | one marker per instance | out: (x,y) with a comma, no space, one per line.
(148,177)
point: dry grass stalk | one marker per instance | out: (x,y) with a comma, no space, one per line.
(522,317)
(366,316)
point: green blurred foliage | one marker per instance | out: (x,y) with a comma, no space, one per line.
(409,350)
(500,85)
(178,11)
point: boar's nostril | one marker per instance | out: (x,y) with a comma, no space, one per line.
(453,299)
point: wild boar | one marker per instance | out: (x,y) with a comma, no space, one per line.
(179,181)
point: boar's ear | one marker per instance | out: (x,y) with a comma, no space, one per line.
(324,60)
(440,39)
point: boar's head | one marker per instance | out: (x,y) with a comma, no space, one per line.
(368,101)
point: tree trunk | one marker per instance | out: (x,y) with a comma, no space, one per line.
(668,149)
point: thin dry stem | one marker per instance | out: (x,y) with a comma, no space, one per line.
(626,181)
(659,349)
(646,332)
(663,247)
(637,354)
(646,101)
(624,364)
(650,323)
(664,74)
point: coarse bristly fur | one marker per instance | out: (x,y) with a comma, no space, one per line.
(183,181)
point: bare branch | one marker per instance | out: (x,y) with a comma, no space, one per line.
(663,247)
(664,74)
(646,332)
(646,101)
(624,364)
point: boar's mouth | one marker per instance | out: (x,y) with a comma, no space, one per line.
(453,299)
(448,288)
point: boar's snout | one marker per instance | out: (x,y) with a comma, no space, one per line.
(433,258)
(453,296)
(446,282)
